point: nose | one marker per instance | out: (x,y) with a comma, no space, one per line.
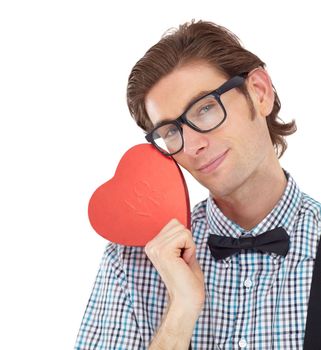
(194,142)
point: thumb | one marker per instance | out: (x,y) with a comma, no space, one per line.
(189,254)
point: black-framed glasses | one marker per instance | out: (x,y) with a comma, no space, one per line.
(203,115)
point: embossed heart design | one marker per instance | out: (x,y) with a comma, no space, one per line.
(146,192)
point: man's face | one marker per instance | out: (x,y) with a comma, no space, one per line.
(225,158)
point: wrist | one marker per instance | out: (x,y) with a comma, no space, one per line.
(177,327)
(181,317)
(185,308)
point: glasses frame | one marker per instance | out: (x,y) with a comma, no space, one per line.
(230,84)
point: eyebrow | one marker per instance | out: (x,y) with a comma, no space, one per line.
(187,105)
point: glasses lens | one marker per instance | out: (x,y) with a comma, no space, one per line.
(206,113)
(168,138)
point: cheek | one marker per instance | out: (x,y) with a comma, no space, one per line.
(241,127)
(182,160)
(251,141)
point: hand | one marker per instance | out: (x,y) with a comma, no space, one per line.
(173,254)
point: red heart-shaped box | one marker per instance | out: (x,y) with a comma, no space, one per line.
(146,192)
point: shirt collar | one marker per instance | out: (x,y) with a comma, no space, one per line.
(282,215)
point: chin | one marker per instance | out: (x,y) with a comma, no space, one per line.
(220,183)
(213,184)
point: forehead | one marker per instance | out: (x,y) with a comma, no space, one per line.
(170,96)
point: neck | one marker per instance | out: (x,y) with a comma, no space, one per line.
(253,201)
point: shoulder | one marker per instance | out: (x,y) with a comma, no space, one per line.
(119,255)
(127,262)
(126,266)
(111,255)
(117,259)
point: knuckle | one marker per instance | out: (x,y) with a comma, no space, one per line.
(147,248)
(187,232)
(175,223)
(179,227)
(151,250)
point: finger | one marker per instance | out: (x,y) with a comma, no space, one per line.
(189,252)
(181,240)
(172,223)
(168,230)
(170,244)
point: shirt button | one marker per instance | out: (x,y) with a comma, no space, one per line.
(248,283)
(242,343)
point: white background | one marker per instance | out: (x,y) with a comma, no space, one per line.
(64,126)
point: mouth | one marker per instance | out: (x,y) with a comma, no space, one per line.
(213,164)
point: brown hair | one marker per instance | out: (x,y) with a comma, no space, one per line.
(194,41)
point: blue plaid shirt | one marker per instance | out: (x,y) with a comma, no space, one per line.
(253,300)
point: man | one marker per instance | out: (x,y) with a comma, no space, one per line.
(242,277)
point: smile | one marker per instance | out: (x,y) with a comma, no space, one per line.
(213,164)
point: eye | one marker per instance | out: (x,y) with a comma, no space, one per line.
(203,107)
(170,132)
(166,132)
(206,108)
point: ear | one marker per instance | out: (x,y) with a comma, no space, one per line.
(261,91)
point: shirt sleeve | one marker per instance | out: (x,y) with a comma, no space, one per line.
(109,321)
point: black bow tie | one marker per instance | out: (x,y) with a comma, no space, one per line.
(274,241)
